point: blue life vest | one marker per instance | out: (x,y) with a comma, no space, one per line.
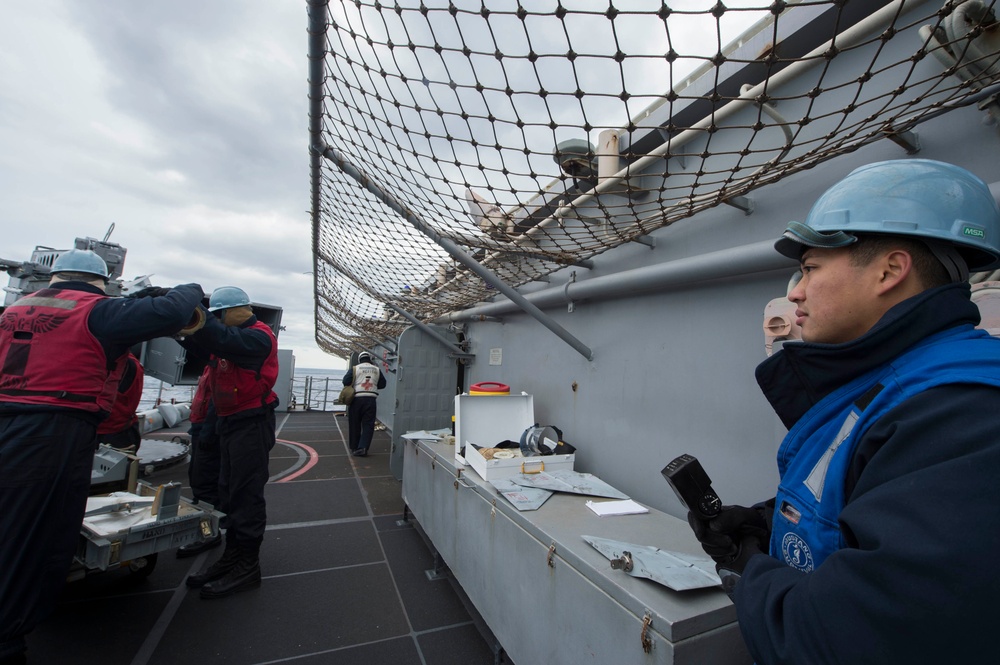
(815,456)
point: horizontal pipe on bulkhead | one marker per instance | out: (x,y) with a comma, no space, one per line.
(745,260)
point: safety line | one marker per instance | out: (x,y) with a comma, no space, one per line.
(312,461)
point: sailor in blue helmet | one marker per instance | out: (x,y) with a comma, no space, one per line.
(62,352)
(243,367)
(885,530)
(367,379)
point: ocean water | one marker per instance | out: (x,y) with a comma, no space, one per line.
(316,387)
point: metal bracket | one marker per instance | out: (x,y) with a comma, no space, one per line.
(570,305)
(649,241)
(439,571)
(406,517)
(907,140)
(744,203)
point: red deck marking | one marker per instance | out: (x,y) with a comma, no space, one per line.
(313,459)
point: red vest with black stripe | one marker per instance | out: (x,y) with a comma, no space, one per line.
(236,389)
(202,397)
(127,400)
(50,357)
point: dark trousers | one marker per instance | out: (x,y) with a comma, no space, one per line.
(245,445)
(206,461)
(123,439)
(361,422)
(45,464)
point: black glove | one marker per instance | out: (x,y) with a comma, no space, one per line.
(732,537)
(731,571)
(720,535)
(149,292)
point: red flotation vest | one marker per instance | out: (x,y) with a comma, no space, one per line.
(123,412)
(202,397)
(236,389)
(50,357)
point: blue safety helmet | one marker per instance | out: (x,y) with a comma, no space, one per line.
(926,199)
(225,297)
(80,260)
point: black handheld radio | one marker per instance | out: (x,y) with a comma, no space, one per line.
(692,486)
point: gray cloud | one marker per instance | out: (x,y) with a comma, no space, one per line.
(184,124)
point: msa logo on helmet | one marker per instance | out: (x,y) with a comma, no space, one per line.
(973,232)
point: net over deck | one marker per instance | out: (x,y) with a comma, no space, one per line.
(537,134)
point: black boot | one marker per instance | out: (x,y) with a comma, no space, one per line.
(244,575)
(226,562)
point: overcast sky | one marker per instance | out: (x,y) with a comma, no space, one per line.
(184,124)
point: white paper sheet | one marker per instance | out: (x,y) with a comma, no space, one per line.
(623,507)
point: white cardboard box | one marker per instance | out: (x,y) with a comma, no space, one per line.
(486,420)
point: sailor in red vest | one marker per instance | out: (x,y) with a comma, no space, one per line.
(121,429)
(60,361)
(203,470)
(243,370)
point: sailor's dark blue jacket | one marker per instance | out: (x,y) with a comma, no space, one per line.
(914,581)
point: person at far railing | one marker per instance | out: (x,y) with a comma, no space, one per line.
(881,543)
(367,380)
(62,350)
(121,429)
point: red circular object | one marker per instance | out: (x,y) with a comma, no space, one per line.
(489,387)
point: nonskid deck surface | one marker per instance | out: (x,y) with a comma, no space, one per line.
(345,579)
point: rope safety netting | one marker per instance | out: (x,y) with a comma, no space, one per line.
(537,135)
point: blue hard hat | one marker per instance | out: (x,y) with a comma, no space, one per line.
(225,297)
(80,260)
(921,198)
